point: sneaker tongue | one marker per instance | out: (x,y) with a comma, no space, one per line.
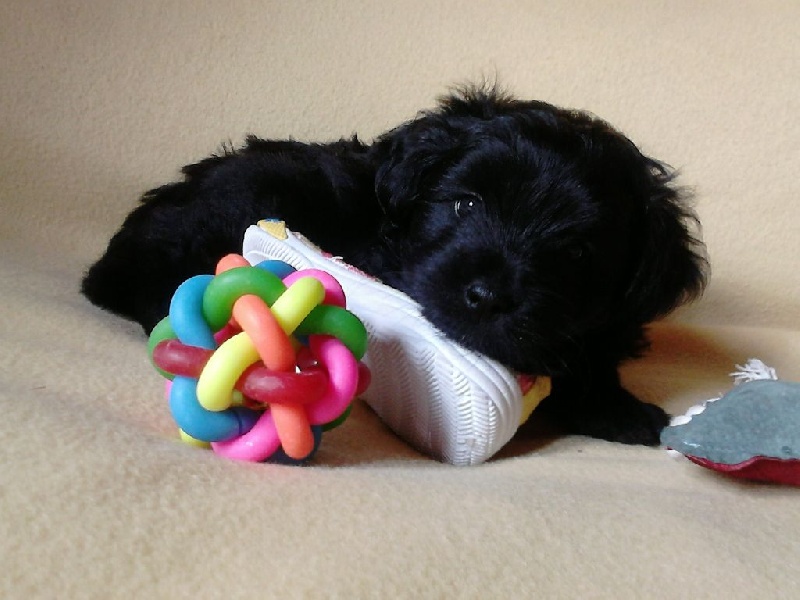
(274,227)
(534,388)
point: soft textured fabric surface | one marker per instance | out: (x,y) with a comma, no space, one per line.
(101,100)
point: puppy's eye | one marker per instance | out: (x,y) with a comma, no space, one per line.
(466,204)
(578,251)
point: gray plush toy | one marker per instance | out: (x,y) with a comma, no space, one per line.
(752,432)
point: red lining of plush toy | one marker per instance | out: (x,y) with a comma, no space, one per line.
(758,468)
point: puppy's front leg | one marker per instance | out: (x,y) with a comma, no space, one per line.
(600,407)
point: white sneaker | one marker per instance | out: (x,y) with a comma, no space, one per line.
(448,402)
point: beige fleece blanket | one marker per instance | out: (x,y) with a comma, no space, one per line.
(101,100)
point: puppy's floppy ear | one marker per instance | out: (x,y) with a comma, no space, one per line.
(671,265)
(410,157)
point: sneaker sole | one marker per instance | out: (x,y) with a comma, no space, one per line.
(446,401)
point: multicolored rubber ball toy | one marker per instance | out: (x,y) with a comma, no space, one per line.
(260,359)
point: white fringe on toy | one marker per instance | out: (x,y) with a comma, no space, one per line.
(752,370)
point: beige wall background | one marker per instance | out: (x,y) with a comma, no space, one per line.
(100,100)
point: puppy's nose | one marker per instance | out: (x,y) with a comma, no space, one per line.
(484,298)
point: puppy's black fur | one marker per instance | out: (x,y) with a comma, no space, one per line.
(539,236)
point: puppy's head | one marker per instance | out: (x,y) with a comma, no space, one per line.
(530,233)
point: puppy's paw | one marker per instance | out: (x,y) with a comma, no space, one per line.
(633,422)
(611,413)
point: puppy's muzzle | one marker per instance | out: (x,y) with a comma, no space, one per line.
(484,297)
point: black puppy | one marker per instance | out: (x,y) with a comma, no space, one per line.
(538,236)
